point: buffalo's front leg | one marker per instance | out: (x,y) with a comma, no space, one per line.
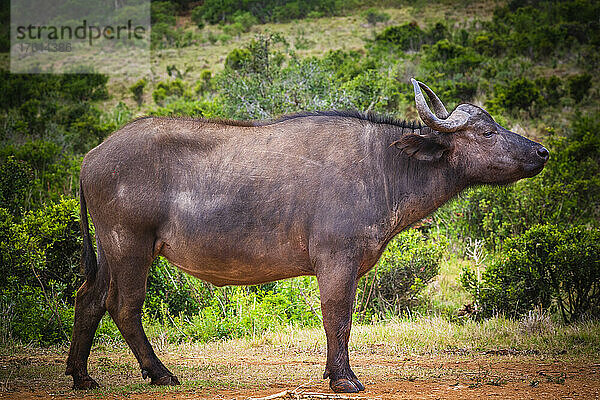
(337,285)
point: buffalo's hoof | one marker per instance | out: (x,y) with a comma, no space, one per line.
(359,385)
(84,383)
(345,386)
(167,380)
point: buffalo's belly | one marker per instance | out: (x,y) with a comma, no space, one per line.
(228,264)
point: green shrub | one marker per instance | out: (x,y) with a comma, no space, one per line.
(249,311)
(405,37)
(52,173)
(237,58)
(230,30)
(31,316)
(163,33)
(348,64)
(551,89)
(168,287)
(546,267)
(206,83)
(224,11)
(520,94)
(544,28)
(181,107)
(52,108)
(43,246)
(230,311)
(395,285)
(373,16)
(14,181)
(245,20)
(197,16)
(450,58)
(137,89)
(579,85)
(371,90)
(488,44)
(170,89)
(438,32)
(39,272)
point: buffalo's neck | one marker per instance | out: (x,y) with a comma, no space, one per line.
(413,189)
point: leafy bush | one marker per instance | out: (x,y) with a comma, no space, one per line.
(206,83)
(520,94)
(168,287)
(14,179)
(41,247)
(450,58)
(197,16)
(182,107)
(196,311)
(51,173)
(537,28)
(137,89)
(489,45)
(545,267)
(53,107)
(163,32)
(579,85)
(348,64)
(551,89)
(252,310)
(373,16)
(39,272)
(395,285)
(404,37)
(238,58)
(170,89)
(224,11)
(271,82)
(245,20)
(31,316)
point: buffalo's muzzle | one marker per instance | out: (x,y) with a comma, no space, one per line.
(543,153)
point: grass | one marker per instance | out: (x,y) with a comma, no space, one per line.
(435,335)
(493,353)
(445,293)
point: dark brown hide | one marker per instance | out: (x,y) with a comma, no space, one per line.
(245,203)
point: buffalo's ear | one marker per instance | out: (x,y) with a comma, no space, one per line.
(424,148)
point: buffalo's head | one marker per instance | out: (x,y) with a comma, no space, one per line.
(470,138)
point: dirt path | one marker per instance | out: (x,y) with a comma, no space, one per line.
(255,372)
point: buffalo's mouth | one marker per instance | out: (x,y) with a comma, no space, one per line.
(533,169)
(541,157)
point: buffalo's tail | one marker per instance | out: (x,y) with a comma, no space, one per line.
(88,255)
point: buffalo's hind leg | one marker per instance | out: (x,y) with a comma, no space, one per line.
(89,309)
(337,285)
(128,265)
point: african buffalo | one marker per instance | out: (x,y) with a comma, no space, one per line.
(240,203)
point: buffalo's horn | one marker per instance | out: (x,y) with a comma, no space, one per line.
(438,107)
(451,123)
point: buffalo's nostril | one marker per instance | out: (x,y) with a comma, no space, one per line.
(543,153)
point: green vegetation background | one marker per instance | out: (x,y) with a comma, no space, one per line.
(492,251)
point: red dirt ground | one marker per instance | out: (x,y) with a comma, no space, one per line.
(252,373)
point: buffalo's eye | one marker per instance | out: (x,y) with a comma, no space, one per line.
(489,134)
